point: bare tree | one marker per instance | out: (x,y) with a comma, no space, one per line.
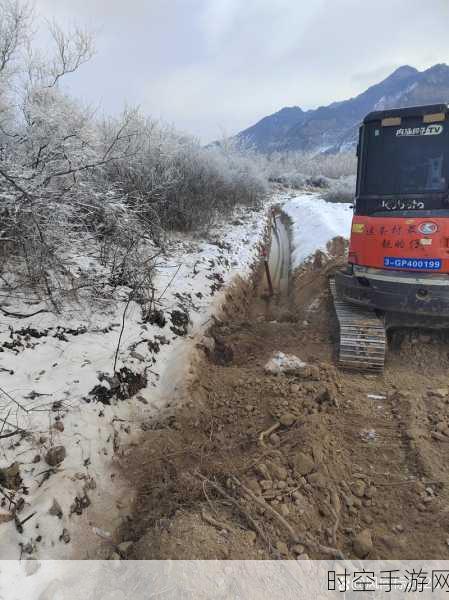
(15,19)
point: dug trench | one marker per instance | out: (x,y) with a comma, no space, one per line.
(316,463)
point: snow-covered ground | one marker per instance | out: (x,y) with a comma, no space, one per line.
(314,223)
(60,485)
(61,489)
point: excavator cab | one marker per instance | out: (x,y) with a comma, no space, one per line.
(398,261)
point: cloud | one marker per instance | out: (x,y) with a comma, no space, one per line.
(219,65)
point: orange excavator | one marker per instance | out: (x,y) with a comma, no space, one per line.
(398,263)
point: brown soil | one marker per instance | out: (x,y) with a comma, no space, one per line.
(339,461)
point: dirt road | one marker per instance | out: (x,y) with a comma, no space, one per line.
(316,464)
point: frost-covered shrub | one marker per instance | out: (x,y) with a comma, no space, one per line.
(341,190)
(176,182)
(332,166)
(119,183)
(294,168)
(290,180)
(318,181)
(338,196)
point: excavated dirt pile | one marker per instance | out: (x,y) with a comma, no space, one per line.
(311,462)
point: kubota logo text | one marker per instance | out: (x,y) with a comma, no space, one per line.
(411,131)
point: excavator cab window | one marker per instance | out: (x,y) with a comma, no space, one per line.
(404,164)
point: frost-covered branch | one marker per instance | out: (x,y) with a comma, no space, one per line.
(73,49)
(15,20)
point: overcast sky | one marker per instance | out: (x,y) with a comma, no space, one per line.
(214,67)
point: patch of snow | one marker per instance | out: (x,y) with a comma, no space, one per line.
(314,223)
(45,384)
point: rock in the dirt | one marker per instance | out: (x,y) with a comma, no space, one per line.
(10,476)
(328,396)
(65,536)
(363,543)
(124,548)
(253,485)
(298,496)
(358,488)
(274,439)
(302,463)
(282,548)
(55,509)
(303,557)
(439,393)
(277,471)
(55,456)
(298,549)
(288,364)
(441,426)
(262,470)
(317,479)
(348,499)
(439,436)
(287,419)
(266,484)
(251,536)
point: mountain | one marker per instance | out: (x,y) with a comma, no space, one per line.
(334,127)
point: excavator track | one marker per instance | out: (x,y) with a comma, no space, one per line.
(363,341)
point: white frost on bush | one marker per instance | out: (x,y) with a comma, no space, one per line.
(301,169)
